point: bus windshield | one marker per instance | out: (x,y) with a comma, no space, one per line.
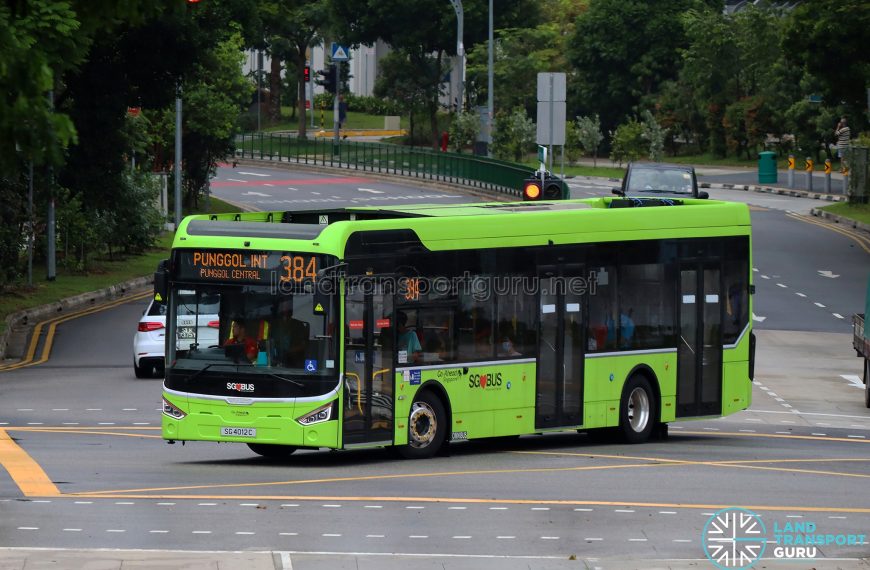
(251,341)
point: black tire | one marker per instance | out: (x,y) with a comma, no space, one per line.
(271,450)
(143,371)
(638,410)
(427,427)
(867,382)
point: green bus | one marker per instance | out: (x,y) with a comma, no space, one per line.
(419,325)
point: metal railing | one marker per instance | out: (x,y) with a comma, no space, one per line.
(414,162)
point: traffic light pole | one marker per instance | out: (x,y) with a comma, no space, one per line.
(335,102)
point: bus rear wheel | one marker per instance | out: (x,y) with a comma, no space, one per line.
(426,427)
(637,410)
(271,450)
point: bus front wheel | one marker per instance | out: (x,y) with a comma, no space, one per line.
(426,427)
(637,411)
(271,450)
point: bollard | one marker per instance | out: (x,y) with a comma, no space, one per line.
(791,171)
(828,176)
(808,166)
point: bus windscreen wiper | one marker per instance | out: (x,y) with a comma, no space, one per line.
(272,374)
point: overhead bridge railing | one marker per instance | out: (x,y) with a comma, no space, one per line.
(413,162)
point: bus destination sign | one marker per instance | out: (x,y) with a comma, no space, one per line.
(245,266)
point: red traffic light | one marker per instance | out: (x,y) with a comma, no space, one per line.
(306,73)
(532,189)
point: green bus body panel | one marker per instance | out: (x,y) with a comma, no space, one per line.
(505,405)
(275,422)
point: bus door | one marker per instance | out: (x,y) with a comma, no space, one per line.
(559,389)
(699,353)
(368,368)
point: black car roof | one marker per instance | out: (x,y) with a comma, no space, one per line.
(661,166)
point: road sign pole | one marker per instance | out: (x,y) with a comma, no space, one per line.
(828,176)
(551,122)
(808,166)
(335,102)
(791,171)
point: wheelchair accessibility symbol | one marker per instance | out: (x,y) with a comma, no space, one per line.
(310,366)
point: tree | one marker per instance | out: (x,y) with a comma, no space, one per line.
(627,142)
(514,135)
(654,135)
(424,31)
(589,135)
(464,130)
(406,81)
(623,51)
(830,39)
(290,29)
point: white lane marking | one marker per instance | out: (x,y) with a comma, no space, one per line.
(72,530)
(584,510)
(316,193)
(827,273)
(165,504)
(681,540)
(800,295)
(253,173)
(456,508)
(807,414)
(818,434)
(129,410)
(506,537)
(28,528)
(462,537)
(794,516)
(206,504)
(758,318)
(592,539)
(370,190)
(755,269)
(249,504)
(60,409)
(540,508)
(753,419)
(414,507)
(765,277)
(94,409)
(24,410)
(772,393)
(418,536)
(158,532)
(549,538)
(141,423)
(838,315)
(256,194)
(837,517)
(124,503)
(292,505)
(638,539)
(623,510)
(856,436)
(819,305)
(294,189)
(83,503)
(115,530)
(35,423)
(331,506)
(667,512)
(712,429)
(288,534)
(783,432)
(501,508)
(236,180)
(781,285)
(779,399)
(749,431)
(267,184)
(787,405)
(374,536)
(367,506)
(787,422)
(40,501)
(245,532)
(201,532)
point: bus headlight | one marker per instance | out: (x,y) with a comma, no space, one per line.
(321,414)
(170,410)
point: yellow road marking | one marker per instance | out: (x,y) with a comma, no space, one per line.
(860,239)
(52,326)
(473,500)
(26,472)
(773,435)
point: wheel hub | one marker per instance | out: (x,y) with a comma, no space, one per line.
(638,409)
(422,424)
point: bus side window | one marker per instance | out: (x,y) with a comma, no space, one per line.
(603,320)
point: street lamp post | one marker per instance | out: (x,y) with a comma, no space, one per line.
(460,49)
(178,156)
(489,87)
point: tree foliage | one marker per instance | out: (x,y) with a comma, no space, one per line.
(514,135)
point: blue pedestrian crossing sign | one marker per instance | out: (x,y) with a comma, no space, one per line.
(339,52)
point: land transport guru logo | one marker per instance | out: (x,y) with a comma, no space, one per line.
(737,538)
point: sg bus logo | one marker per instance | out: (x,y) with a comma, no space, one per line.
(734,538)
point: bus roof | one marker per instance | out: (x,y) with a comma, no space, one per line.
(476,225)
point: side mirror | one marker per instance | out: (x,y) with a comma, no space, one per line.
(161,280)
(703,195)
(617,191)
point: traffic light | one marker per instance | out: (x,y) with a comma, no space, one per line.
(306,73)
(327,79)
(551,189)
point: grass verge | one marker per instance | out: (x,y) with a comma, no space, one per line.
(354,120)
(102,273)
(582,170)
(857,212)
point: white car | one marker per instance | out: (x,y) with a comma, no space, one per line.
(149,341)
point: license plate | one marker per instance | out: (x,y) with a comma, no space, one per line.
(239,432)
(186,333)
